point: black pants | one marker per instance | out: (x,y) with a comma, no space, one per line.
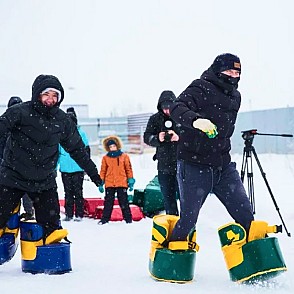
(73,189)
(169,189)
(196,182)
(27,204)
(46,206)
(122,197)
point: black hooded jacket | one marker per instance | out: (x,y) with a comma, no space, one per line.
(166,152)
(12,101)
(211,98)
(31,153)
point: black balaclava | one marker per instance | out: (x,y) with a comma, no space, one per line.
(224,62)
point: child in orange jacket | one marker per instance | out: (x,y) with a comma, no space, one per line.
(117,175)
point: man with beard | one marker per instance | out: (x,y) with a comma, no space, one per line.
(207,111)
(36,128)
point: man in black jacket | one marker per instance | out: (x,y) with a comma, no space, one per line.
(12,101)
(162,132)
(36,128)
(207,111)
(26,200)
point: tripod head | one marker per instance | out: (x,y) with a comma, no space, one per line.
(249,135)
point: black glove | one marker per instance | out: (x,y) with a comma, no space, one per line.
(97,180)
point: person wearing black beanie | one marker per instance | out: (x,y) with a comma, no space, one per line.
(72,114)
(29,163)
(12,101)
(207,111)
(26,201)
(72,176)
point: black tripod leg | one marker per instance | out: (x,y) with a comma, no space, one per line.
(269,189)
(250,182)
(249,171)
(244,165)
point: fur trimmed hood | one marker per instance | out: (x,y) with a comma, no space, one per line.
(116,140)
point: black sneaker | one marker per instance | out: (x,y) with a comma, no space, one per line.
(102,222)
(129,221)
(67,219)
(78,219)
(27,216)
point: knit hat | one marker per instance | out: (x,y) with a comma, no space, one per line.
(226,61)
(72,114)
(43,82)
(110,142)
(14,100)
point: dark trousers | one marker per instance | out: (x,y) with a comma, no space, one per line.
(122,197)
(73,189)
(27,204)
(169,189)
(46,206)
(196,182)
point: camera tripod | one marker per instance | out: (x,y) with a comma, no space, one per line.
(247,167)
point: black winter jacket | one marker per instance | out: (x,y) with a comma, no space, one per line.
(213,99)
(3,140)
(31,153)
(166,152)
(12,101)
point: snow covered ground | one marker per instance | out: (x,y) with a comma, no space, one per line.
(114,258)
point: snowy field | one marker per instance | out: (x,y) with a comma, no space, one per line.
(114,258)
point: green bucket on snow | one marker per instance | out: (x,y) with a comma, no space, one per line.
(260,259)
(175,261)
(149,199)
(173,266)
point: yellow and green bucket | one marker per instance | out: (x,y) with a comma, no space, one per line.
(257,257)
(176,261)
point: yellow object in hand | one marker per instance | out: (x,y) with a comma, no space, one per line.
(206,126)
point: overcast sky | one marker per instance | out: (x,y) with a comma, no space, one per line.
(119,55)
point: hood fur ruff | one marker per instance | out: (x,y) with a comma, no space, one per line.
(116,139)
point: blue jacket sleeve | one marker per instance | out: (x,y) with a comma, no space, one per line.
(73,144)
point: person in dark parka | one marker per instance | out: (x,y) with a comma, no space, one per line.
(29,164)
(207,111)
(12,101)
(163,133)
(72,176)
(26,200)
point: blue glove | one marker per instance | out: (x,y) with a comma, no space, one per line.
(131,182)
(100,188)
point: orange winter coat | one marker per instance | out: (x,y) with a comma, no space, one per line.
(115,171)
